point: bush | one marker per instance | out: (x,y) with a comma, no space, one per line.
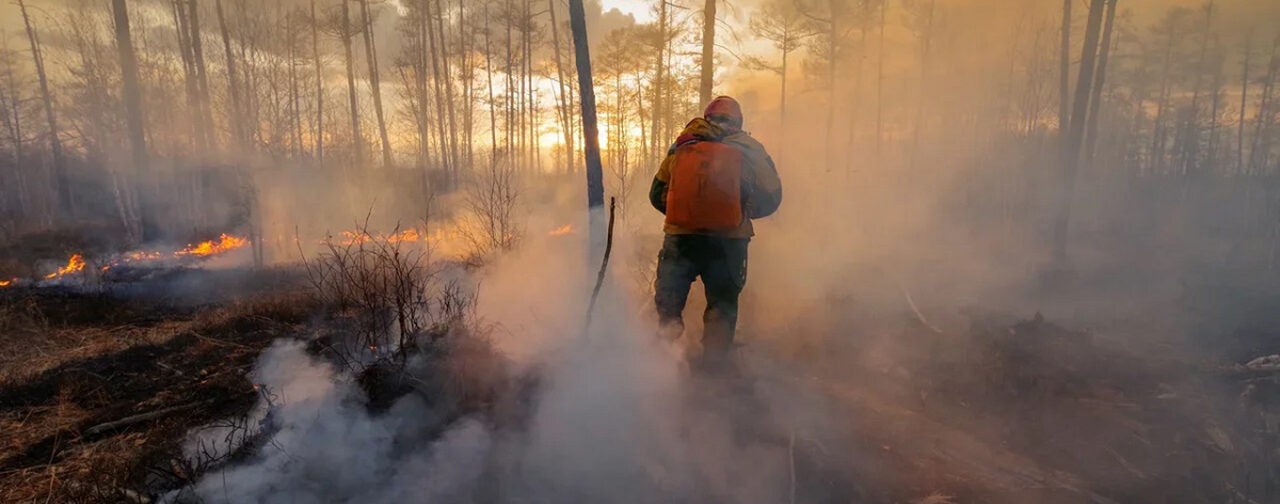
(388,293)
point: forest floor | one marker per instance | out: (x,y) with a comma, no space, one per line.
(99,391)
(74,362)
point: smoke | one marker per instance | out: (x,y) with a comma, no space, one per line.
(615,415)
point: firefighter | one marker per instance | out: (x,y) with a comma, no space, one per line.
(713,181)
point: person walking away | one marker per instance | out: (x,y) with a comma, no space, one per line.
(714,180)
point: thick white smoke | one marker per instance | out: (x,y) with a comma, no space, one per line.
(615,416)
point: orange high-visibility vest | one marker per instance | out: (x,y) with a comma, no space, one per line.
(705,190)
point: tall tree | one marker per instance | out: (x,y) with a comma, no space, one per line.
(781,24)
(1075,131)
(708,52)
(1064,72)
(132,93)
(1095,101)
(447,81)
(319,71)
(590,133)
(60,182)
(1244,104)
(656,134)
(357,139)
(234,115)
(205,114)
(562,86)
(371,57)
(1260,144)
(830,25)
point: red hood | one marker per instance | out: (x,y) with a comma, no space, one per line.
(724,106)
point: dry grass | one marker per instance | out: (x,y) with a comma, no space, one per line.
(64,374)
(23,355)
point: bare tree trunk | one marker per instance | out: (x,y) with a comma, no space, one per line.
(295,112)
(435,51)
(1257,152)
(132,85)
(13,121)
(233,86)
(1095,102)
(371,56)
(1158,132)
(590,133)
(188,67)
(658,86)
(1064,73)
(447,80)
(708,52)
(1075,131)
(1244,104)
(417,57)
(315,55)
(1191,138)
(202,74)
(493,102)
(61,183)
(1215,109)
(468,78)
(357,139)
(566,128)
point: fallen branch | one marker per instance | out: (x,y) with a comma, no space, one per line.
(916,310)
(604,265)
(143,417)
(219,342)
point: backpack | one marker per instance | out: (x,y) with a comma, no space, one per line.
(705,190)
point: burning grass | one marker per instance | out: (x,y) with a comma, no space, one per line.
(80,266)
(224,243)
(74,265)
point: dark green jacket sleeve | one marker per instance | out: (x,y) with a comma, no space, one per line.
(658,189)
(762,186)
(658,195)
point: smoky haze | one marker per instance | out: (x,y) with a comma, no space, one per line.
(921,149)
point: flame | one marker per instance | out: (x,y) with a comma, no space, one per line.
(410,235)
(354,238)
(6,283)
(74,264)
(207,248)
(566,229)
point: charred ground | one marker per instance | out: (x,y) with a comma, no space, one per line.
(102,390)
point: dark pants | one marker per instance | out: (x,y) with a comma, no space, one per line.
(722,264)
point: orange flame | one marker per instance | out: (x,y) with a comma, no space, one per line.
(410,235)
(74,264)
(6,283)
(566,229)
(207,248)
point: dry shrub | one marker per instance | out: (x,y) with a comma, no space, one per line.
(387,296)
(490,224)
